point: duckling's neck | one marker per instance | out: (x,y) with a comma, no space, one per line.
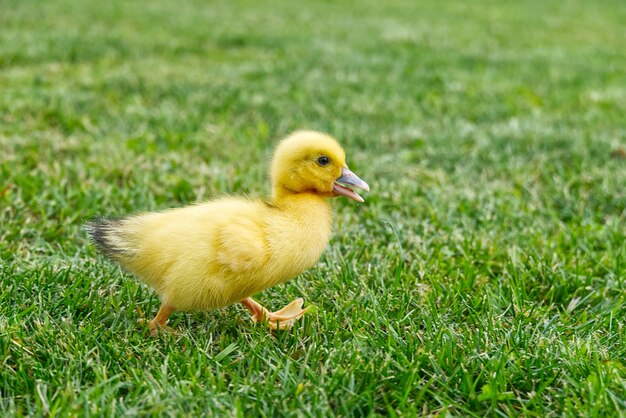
(306,206)
(298,199)
(282,193)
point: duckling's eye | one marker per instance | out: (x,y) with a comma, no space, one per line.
(323,160)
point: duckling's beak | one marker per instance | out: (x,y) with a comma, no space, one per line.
(343,185)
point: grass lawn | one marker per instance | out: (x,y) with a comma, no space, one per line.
(484,276)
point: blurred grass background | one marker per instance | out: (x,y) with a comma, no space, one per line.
(484,275)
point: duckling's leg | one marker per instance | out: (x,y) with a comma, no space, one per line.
(159,321)
(282,319)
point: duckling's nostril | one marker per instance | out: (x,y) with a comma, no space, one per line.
(351,179)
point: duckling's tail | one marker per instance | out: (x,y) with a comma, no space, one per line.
(111,237)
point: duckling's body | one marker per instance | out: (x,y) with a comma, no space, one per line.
(217,253)
(214,254)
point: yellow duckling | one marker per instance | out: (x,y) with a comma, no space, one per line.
(217,253)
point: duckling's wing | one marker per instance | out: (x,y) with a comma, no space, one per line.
(241,245)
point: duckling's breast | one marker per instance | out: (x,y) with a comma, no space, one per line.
(297,237)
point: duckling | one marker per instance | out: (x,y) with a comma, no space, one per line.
(214,254)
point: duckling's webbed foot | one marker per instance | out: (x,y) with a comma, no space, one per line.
(282,319)
(159,321)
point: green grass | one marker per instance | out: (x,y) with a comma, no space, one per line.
(484,276)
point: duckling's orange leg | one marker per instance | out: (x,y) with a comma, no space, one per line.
(282,319)
(159,321)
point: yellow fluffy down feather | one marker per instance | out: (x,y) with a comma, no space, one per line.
(217,253)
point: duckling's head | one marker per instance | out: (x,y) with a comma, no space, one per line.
(311,162)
